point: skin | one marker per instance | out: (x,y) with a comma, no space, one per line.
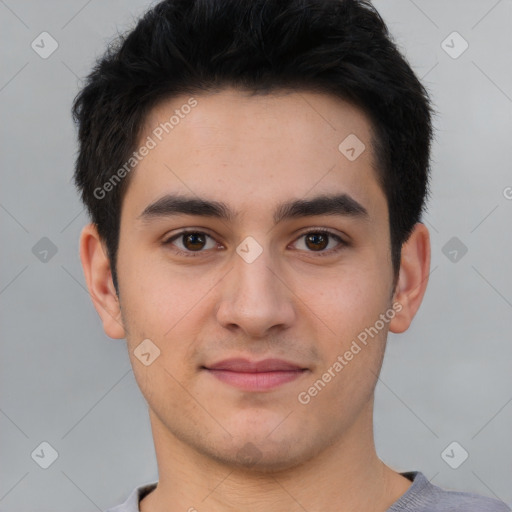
(291,302)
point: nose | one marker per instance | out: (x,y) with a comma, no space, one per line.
(255,297)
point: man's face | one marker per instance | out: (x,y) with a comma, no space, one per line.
(303,298)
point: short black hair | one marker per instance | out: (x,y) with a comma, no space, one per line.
(338,47)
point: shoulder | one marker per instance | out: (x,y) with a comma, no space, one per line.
(132,502)
(469,502)
(424,496)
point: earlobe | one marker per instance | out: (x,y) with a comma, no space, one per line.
(413,277)
(98,277)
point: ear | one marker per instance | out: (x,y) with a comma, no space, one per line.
(98,277)
(412,279)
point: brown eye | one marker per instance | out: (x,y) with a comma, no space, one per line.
(194,241)
(317,241)
(189,242)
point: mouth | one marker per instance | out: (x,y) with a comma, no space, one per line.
(255,375)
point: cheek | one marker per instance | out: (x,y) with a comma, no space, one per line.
(347,301)
(164,304)
(167,321)
(158,294)
(352,355)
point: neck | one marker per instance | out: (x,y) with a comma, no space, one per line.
(346,476)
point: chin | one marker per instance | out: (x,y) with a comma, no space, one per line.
(259,454)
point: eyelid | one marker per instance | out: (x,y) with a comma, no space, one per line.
(342,242)
(169,239)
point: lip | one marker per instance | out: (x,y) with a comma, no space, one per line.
(246,366)
(255,375)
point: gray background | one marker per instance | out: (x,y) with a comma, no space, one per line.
(65,382)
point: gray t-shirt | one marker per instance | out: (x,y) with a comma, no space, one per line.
(422,496)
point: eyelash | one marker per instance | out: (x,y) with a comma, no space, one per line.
(193,254)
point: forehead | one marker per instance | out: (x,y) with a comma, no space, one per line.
(253,150)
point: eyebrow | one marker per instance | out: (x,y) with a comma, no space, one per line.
(172,205)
